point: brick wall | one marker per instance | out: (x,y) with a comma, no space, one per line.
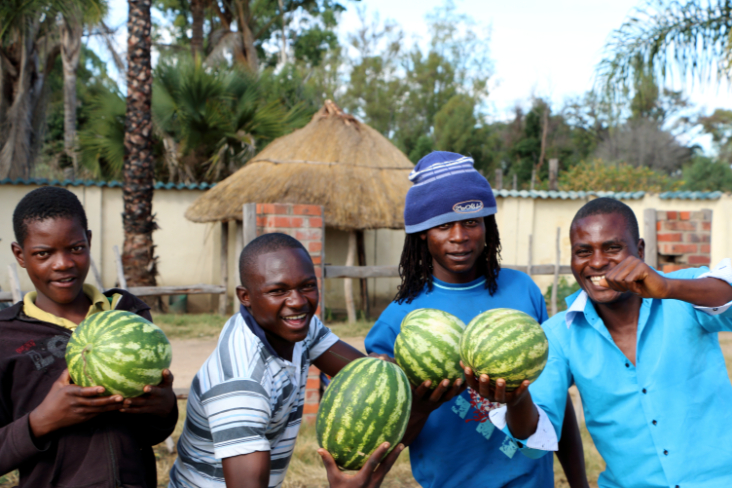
(684,239)
(304,223)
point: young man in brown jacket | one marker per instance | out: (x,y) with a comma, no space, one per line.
(54,432)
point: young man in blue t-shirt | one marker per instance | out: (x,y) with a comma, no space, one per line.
(450,262)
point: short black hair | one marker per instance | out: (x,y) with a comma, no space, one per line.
(603,206)
(264,244)
(46,202)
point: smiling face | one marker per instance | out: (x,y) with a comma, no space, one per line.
(282,295)
(455,248)
(56,255)
(599,243)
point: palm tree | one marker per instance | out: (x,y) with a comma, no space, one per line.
(667,40)
(138,256)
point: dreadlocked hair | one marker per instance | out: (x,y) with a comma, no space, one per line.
(415,265)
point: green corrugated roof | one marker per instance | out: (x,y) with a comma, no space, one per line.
(625,195)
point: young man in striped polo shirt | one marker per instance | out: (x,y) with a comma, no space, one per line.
(246,402)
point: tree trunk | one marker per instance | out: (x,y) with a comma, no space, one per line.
(197,12)
(137,192)
(71,32)
(247,37)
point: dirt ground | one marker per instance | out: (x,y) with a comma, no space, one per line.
(189,355)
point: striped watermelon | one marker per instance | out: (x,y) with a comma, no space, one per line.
(505,343)
(428,346)
(118,350)
(366,404)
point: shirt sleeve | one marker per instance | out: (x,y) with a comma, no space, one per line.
(549,393)
(238,412)
(321,339)
(723,271)
(383,334)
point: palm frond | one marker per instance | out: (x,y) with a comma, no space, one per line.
(672,40)
(101,142)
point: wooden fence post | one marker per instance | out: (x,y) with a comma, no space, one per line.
(97,277)
(499,179)
(649,235)
(556,269)
(14,283)
(121,280)
(531,257)
(515,182)
(224,267)
(553,174)
(249,223)
(533,179)
(348,282)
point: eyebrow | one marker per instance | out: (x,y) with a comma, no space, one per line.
(42,247)
(606,243)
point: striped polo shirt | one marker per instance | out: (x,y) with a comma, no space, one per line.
(245,398)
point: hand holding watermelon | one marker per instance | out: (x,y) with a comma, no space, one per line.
(369,476)
(67,404)
(157,400)
(495,391)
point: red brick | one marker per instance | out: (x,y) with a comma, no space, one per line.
(313,383)
(693,237)
(309,234)
(315,222)
(315,246)
(261,221)
(297,222)
(307,210)
(309,418)
(318,272)
(313,372)
(684,215)
(671,215)
(668,268)
(669,237)
(706,226)
(659,225)
(266,208)
(705,248)
(259,208)
(676,225)
(677,249)
(312,396)
(316,259)
(699,259)
(310,408)
(282,222)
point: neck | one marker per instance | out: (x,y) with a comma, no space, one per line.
(75,311)
(282,347)
(620,314)
(455,278)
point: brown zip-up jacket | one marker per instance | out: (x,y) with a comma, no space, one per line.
(112,450)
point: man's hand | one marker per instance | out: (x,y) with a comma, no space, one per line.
(157,400)
(370,476)
(425,400)
(635,276)
(68,404)
(496,393)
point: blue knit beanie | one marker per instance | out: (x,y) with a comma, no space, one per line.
(446,189)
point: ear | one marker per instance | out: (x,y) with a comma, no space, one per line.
(88,237)
(243,295)
(642,249)
(18,253)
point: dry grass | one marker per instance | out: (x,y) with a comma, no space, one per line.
(354,172)
(190,326)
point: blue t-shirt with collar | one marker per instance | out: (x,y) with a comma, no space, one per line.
(665,421)
(452,450)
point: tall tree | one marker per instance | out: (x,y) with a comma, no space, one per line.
(28,49)
(139,169)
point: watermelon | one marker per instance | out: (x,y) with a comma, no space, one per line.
(505,343)
(118,350)
(366,404)
(428,346)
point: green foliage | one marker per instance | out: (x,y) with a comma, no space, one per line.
(597,175)
(101,141)
(564,289)
(706,174)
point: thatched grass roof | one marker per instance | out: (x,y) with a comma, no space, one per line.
(336,161)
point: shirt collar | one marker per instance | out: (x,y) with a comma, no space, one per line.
(257,330)
(577,306)
(100,303)
(458,286)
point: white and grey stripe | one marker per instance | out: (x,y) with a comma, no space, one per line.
(245,399)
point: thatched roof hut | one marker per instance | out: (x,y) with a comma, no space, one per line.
(359,177)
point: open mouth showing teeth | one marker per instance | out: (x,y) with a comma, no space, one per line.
(596,279)
(66,280)
(296,317)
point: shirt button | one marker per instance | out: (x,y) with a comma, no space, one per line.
(713,310)
(644,390)
(654,422)
(627,365)
(665,452)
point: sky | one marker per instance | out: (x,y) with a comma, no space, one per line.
(538,47)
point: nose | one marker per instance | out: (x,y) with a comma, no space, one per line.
(458,233)
(62,261)
(296,299)
(598,260)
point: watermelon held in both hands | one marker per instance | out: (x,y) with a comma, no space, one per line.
(366,404)
(118,350)
(428,346)
(505,343)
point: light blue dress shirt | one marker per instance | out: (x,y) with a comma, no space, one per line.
(667,421)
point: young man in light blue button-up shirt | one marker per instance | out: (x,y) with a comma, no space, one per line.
(642,349)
